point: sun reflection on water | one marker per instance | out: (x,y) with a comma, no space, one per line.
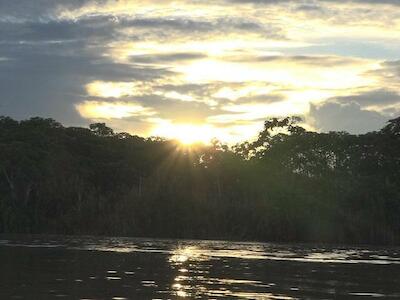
(194,277)
(136,269)
(184,254)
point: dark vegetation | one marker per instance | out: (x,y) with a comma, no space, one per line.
(289,186)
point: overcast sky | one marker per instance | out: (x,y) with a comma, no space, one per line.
(215,68)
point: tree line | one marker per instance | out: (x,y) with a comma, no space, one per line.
(289,185)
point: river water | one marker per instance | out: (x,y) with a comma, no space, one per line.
(55,267)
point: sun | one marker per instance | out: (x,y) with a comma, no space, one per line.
(186,134)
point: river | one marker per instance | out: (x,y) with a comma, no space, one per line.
(57,267)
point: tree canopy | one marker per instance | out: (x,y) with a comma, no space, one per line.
(289,184)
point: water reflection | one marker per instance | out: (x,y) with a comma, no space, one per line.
(193,265)
(182,254)
(123,268)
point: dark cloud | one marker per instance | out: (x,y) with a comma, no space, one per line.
(38,81)
(186,24)
(47,11)
(45,62)
(309,7)
(394,2)
(312,60)
(164,26)
(31,10)
(266,2)
(49,60)
(388,74)
(381,97)
(266,99)
(89,29)
(165,58)
(201,89)
(392,68)
(333,116)
(108,27)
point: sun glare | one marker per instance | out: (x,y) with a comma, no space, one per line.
(186,134)
(189,134)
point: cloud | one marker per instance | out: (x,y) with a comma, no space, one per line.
(388,73)
(28,10)
(271,2)
(187,62)
(176,109)
(245,112)
(117,89)
(112,110)
(138,88)
(166,57)
(56,30)
(189,25)
(39,80)
(319,61)
(332,116)
(260,99)
(378,98)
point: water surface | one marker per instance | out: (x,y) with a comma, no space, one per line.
(54,267)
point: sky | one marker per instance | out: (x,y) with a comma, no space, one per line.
(197,70)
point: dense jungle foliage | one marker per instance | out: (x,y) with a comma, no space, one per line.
(288,185)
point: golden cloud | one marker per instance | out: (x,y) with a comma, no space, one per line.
(112,110)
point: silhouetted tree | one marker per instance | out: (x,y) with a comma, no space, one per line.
(101,129)
(288,185)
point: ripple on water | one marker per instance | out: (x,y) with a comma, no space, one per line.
(113,278)
(375,295)
(209,269)
(149,283)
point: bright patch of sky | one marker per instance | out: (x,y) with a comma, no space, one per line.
(211,69)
